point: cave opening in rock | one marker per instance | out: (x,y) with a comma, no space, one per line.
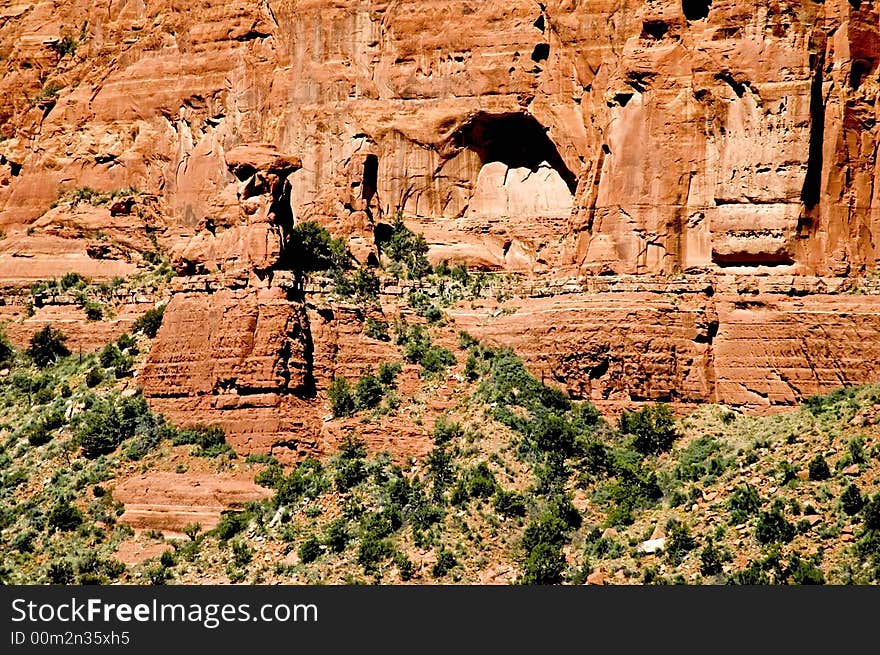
(371,177)
(516,140)
(696,9)
(521,173)
(541,52)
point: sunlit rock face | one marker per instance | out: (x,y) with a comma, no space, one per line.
(729,149)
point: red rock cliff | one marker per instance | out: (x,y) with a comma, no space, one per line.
(731,145)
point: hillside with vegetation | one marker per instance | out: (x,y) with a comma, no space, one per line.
(523,485)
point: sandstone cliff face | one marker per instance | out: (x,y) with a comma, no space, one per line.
(731,145)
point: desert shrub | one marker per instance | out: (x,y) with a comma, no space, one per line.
(47,346)
(109,421)
(368,393)
(111,357)
(871,514)
(553,433)
(405,566)
(74,280)
(23,542)
(94,377)
(700,458)
(64,517)
(773,527)
(459,273)
(543,565)
(376,329)
(341,397)
(509,503)
(652,428)
(407,251)
(7,351)
(478,481)
(804,572)
(336,536)
(851,500)
(94,310)
(150,322)
(60,573)
(712,559)
(445,563)
(308,478)
(365,282)
(445,430)
(598,547)
(679,541)
(742,503)
(230,524)
(372,551)
(349,465)
(127,342)
(836,402)
(437,359)
(818,468)
(309,550)
(40,431)
(310,248)
(388,372)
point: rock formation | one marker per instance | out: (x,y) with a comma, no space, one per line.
(705,173)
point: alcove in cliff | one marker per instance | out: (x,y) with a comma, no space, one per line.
(521,173)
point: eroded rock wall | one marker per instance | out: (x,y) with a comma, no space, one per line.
(703,139)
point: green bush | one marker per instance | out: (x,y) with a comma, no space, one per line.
(349,466)
(773,527)
(94,377)
(309,550)
(712,559)
(407,250)
(509,503)
(64,517)
(336,536)
(478,482)
(7,351)
(679,541)
(60,573)
(445,563)
(94,311)
(405,566)
(308,478)
(653,428)
(310,248)
(372,551)
(437,359)
(388,372)
(74,280)
(150,322)
(368,393)
(47,346)
(111,420)
(804,572)
(818,468)
(365,282)
(446,430)
(851,500)
(742,503)
(342,399)
(231,523)
(702,457)
(544,565)
(376,329)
